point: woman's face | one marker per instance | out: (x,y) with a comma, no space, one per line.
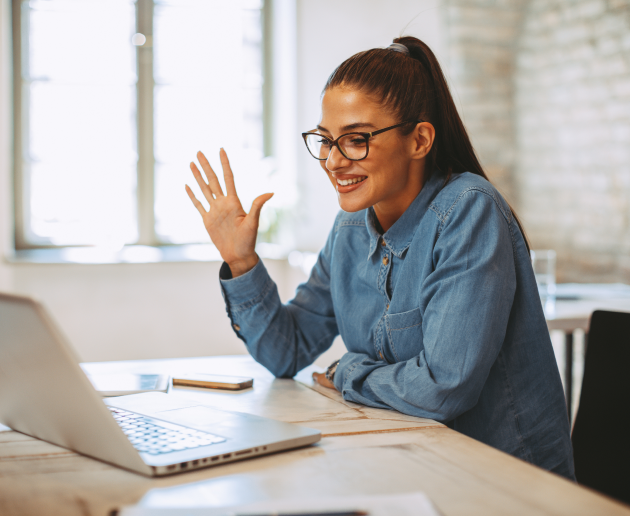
(390,177)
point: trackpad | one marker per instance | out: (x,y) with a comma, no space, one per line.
(201,417)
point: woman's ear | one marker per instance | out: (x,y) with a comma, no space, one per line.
(422,141)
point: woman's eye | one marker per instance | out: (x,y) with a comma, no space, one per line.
(324,142)
(357,142)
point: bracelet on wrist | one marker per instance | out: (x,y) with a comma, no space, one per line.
(330,372)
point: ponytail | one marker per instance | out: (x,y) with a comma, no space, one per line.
(413,86)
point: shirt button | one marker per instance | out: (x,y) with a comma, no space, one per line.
(383,243)
(387,307)
(236,327)
(385,260)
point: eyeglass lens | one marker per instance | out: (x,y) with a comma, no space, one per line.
(352,146)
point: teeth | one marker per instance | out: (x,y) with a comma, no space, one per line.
(346,182)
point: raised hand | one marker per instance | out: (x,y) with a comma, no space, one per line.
(231,229)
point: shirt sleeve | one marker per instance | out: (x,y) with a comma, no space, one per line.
(470,295)
(284,338)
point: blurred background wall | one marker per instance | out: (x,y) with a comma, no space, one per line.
(543,88)
(572,98)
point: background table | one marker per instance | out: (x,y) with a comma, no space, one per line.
(571,311)
(363,451)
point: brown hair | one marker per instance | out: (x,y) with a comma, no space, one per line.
(414,88)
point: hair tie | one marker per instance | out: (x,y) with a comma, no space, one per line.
(397,47)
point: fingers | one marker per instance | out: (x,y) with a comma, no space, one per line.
(321,379)
(202,211)
(230,187)
(213,181)
(257,206)
(205,189)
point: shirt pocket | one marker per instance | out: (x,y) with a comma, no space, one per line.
(405,334)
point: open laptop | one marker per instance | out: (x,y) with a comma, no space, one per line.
(45,393)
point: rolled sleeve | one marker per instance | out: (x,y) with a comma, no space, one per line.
(284,338)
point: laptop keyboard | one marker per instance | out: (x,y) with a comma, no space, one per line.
(156,437)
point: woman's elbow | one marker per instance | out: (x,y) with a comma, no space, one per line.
(451,402)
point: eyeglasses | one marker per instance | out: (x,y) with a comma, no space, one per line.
(353,146)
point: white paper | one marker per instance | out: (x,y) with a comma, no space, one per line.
(409,504)
(121,384)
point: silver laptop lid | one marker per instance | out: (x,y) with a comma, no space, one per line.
(44,392)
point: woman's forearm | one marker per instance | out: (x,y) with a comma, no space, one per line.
(283,338)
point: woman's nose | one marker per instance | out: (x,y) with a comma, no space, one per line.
(336,160)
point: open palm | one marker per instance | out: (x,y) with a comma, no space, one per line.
(231,229)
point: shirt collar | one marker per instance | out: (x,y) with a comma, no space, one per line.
(399,236)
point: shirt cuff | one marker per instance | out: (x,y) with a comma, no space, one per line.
(244,288)
(346,365)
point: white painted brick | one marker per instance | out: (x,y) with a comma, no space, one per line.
(608,45)
(620,132)
(580,52)
(547,103)
(621,87)
(612,65)
(616,110)
(591,9)
(614,23)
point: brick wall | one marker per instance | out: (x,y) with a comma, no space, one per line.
(544,89)
(482,42)
(572,107)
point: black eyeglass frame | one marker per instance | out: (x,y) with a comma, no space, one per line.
(367,136)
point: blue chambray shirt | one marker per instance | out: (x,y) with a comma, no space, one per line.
(440,315)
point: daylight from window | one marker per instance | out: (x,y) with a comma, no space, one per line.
(80,157)
(208,95)
(80,151)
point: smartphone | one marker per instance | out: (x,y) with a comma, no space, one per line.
(213,381)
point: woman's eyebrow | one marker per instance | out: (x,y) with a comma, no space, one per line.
(350,127)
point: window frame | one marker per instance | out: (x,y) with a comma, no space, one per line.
(145,90)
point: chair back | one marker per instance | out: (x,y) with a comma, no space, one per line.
(601,433)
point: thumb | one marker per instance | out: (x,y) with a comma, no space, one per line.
(257,206)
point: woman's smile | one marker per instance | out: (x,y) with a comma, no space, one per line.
(348,182)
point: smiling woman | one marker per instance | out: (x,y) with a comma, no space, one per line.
(426,273)
(382,168)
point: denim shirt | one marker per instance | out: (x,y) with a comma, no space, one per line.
(440,315)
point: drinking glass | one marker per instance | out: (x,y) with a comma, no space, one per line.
(544,264)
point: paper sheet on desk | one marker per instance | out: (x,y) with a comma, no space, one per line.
(409,504)
(4,428)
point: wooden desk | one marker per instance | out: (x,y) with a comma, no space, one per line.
(363,451)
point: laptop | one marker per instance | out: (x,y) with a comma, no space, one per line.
(46,394)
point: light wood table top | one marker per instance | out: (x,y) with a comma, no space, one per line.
(363,451)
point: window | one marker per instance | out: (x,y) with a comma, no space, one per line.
(113,98)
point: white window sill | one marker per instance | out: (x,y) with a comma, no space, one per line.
(135,254)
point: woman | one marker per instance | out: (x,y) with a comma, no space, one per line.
(426,273)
